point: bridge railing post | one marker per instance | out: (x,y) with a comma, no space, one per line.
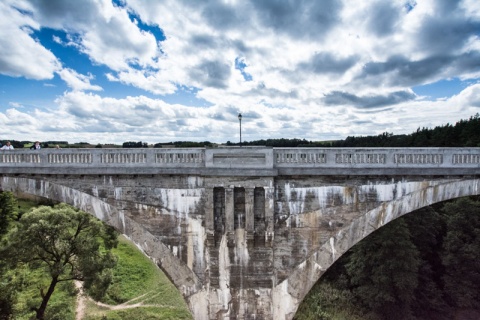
(43,157)
(96,158)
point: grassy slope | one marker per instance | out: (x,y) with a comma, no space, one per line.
(138,280)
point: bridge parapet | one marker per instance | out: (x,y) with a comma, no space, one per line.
(379,157)
(245,161)
(377,161)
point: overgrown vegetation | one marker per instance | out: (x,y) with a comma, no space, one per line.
(421,266)
(135,280)
(60,244)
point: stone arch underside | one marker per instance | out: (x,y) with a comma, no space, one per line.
(288,294)
(183,278)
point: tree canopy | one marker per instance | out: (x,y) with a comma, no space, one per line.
(8,211)
(132,144)
(8,214)
(461,256)
(383,271)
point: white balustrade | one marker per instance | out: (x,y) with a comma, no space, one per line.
(254,158)
(310,157)
(70,158)
(354,158)
(418,158)
(466,159)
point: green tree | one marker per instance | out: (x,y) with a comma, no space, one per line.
(67,244)
(427,228)
(383,271)
(132,144)
(462,252)
(7,295)
(8,211)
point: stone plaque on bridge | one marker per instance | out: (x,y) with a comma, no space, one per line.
(239,158)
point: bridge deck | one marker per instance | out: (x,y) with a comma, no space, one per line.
(244,161)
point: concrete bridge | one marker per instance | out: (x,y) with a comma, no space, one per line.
(244,233)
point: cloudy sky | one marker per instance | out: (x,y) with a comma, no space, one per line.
(107,71)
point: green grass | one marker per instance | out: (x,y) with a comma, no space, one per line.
(25,205)
(138,280)
(133,275)
(139,313)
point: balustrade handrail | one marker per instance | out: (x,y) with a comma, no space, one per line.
(257,158)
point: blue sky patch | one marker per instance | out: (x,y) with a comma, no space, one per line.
(240,65)
(441,89)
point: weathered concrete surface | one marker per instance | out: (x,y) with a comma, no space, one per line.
(350,220)
(245,233)
(246,274)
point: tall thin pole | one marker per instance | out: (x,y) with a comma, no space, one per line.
(240,120)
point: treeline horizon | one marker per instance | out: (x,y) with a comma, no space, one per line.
(464,133)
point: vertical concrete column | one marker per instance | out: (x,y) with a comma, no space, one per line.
(209,223)
(269,206)
(209,210)
(229,217)
(249,214)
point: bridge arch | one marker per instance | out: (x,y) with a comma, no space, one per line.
(290,293)
(316,203)
(174,268)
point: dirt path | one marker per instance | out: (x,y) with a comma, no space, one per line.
(82,301)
